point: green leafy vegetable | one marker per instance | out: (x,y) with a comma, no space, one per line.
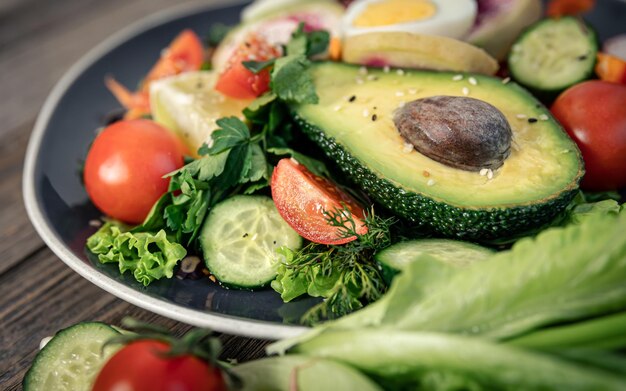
(302,374)
(346,276)
(258,66)
(433,361)
(232,132)
(315,166)
(309,44)
(191,193)
(603,333)
(217,33)
(147,256)
(291,80)
(563,274)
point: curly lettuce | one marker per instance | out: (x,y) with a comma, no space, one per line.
(148,256)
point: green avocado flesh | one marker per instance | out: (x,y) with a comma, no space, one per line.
(535,183)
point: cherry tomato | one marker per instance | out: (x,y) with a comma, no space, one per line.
(302,197)
(239,82)
(594,115)
(125,166)
(144,366)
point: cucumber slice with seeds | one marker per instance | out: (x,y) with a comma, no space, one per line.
(71,359)
(554,54)
(239,241)
(455,253)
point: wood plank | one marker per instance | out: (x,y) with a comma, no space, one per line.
(41,296)
(20,20)
(17,235)
(30,67)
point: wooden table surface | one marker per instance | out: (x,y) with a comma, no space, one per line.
(39,294)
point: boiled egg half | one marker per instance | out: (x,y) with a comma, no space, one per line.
(449,18)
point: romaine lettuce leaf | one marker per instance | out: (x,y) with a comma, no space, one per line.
(435,361)
(300,373)
(563,274)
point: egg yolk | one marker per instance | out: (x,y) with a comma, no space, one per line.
(389,12)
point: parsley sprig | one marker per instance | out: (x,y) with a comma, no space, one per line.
(290,80)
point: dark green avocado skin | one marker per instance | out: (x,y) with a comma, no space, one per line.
(483,225)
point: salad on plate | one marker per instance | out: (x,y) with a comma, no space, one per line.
(442,175)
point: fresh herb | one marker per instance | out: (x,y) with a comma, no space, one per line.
(290,78)
(346,276)
(257,66)
(217,33)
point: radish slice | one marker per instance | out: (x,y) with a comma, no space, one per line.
(616,46)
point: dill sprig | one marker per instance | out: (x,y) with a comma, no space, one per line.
(346,276)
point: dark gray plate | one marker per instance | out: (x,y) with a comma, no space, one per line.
(60,211)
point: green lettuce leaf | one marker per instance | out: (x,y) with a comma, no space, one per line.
(147,256)
(435,361)
(300,373)
(563,274)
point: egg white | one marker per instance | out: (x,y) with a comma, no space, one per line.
(453,18)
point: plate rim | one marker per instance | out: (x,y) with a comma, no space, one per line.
(217,322)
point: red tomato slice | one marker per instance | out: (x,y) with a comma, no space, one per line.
(184,54)
(145,366)
(239,82)
(302,197)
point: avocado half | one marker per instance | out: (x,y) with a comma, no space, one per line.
(353,123)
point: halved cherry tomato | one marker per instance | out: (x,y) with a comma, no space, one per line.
(558,8)
(239,82)
(184,54)
(125,166)
(594,116)
(145,366)
(302,197)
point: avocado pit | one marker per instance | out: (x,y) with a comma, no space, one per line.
(460,132)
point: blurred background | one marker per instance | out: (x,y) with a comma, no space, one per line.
(40,39)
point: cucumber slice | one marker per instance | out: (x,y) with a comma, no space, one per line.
(554,54)
(239,239)
(72,358)
(451,252)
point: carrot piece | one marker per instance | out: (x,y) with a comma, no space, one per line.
(334,49)
(611,68)
(127,98)
(558,8)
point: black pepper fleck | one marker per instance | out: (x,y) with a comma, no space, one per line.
(352,98)
(374,117)
(245,235)
(582,57)
(532,120)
